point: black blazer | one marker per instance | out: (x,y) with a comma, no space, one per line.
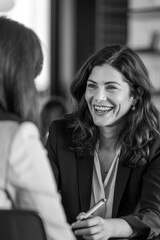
(137,190)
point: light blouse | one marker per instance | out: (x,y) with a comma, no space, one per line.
(104,189)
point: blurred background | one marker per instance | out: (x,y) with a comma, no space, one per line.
(71,30)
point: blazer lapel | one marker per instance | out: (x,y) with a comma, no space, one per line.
(85,169)
(123,174)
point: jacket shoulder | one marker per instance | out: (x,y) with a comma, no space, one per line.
(60,125)
(60,131)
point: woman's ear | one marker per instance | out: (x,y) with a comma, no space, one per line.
(140,92)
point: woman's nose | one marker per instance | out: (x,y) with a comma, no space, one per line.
(101,95)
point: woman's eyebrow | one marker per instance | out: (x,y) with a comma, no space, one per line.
(112,82)
(89,80)
(106,83)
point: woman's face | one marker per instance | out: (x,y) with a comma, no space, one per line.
(107,95)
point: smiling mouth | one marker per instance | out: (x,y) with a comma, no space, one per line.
(102,109)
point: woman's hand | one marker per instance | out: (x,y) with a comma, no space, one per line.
(93,228)
(97,228)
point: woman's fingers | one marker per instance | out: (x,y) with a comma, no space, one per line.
(80,216)
(85,223)
(91,229)
(87,231)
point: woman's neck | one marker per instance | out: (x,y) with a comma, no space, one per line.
(108,138)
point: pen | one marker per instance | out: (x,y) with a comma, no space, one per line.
(94,208)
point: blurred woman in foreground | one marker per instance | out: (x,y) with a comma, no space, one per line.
(26,181)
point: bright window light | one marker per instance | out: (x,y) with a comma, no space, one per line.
(35,14)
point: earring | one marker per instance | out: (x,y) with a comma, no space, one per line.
(133,107)
(134,104)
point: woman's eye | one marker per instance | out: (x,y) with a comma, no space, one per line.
(90,85)
(111,87)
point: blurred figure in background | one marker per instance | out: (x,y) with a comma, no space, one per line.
(53,109)
(26,180)
(6,5)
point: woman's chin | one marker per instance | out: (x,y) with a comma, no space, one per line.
(101,123)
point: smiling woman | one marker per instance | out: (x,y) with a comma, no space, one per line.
(107,95)
(109,147)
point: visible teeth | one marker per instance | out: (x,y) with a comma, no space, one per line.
(102,108)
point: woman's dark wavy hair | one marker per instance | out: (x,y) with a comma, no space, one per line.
(21,60)
(142,125)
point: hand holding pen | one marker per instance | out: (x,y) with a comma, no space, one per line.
(98,228)
(92,227)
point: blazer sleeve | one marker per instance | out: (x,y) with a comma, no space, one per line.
(147,220)
(51,147)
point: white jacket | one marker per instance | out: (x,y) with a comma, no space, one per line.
(30,182)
